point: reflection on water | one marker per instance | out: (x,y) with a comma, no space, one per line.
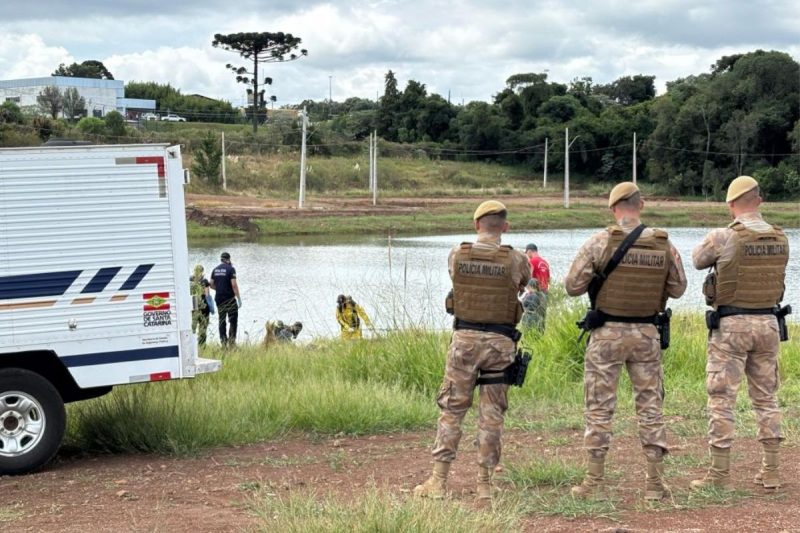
(400,283)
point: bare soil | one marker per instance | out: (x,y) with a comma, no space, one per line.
(81,492)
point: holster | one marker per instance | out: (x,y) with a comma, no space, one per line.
(593,319)
(780,314)
(513,374)
(712,320)
(662,325)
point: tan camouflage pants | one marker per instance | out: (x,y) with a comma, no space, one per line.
(612,346)
(743,344)
(469,352)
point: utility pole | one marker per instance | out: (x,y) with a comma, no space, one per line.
(224,180)
(634,158)
(375,170)
(370,161)
(303,162)
(544,185)
(330,90)
(567,144)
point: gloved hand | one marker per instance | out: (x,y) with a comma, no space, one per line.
(239,302)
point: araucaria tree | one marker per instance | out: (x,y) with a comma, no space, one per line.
(263,47)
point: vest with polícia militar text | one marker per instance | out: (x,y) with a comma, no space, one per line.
(754,276)
(636,288)
(484,290)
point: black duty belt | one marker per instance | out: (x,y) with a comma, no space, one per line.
(502,329)
(729,310)
(631,319)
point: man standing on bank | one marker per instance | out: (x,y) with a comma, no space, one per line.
(630,300)
(486,280)
(223,281)
(749,257)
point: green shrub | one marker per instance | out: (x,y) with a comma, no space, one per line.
(91,126)
(115,124)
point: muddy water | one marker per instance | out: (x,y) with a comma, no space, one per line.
(400,283)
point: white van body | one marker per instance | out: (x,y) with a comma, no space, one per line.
(94,276)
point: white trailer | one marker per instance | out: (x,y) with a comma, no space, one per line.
(94,284)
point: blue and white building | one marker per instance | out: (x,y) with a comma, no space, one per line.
(102,96)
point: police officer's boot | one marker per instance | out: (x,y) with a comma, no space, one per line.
(435,485)
(718,474)
(769,477)
(593,486)
(655,488)
(484,496)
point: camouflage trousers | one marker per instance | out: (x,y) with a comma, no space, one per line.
(743,344)
(636,347)
(200,326)
(471,351)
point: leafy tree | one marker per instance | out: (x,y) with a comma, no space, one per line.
(74,104)
(208,160)
(50,101)
(87,69)
(115,123)
(194,107)
(261,47)
(389,108)
(10,113)
(629,90)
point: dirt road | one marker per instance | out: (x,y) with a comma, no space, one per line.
(214,492)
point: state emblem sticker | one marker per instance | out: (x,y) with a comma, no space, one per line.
(156,309)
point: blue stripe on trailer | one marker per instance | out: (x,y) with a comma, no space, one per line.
(135,277)
(124,356)
(36,285)
(101,279)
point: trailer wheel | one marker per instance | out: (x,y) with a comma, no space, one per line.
(32,421)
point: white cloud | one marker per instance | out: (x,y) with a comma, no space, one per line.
(27,56)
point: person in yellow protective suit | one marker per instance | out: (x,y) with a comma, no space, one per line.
(349,316)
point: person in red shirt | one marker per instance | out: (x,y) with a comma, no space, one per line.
(540,269)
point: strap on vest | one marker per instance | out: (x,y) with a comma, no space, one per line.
(506,330)
(631,319)
(599,279)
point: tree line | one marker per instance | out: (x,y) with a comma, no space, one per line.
(743,116)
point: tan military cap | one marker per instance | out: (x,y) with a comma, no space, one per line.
(489,207)
(739,186)
(621,191)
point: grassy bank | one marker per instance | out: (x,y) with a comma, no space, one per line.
(384,385)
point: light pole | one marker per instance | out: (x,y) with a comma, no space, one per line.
(330,89)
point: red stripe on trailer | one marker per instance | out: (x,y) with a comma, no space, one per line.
(160,376)
(158,160)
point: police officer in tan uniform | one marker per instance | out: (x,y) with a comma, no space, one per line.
(749,258)
(487,277)
(628,303)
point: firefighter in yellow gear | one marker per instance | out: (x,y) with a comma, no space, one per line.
(349,315)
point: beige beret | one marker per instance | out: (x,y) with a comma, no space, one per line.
(621,191)
(489,207)
(739,186)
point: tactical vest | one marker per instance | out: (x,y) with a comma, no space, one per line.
(636,288)
(754,276)
(484,290)
(198,296)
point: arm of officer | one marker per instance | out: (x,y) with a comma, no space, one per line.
(524,270)
(707,252)
(580,273)
(676,277)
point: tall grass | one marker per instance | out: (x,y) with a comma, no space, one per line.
(388,384)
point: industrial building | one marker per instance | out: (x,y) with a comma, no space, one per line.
(102,96)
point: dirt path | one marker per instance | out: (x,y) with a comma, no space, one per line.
(79,493)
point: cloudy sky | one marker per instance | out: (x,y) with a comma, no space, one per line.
(465,47)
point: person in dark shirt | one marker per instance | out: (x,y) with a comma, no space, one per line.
(227,298)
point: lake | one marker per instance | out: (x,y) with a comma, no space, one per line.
(400,282)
